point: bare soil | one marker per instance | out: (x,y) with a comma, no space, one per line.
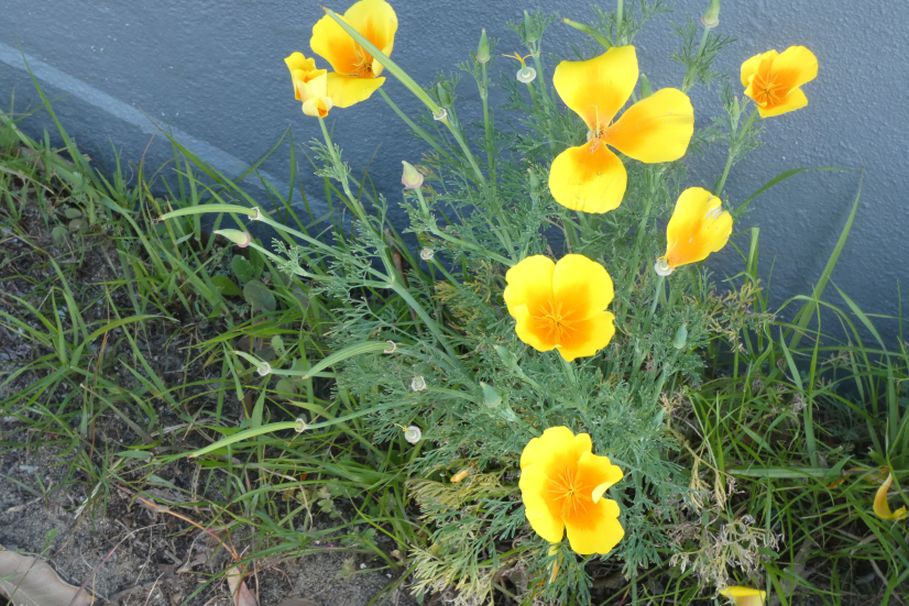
(123,546)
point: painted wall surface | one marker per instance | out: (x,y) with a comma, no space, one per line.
(212,73)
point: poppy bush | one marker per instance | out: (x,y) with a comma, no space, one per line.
(546,301)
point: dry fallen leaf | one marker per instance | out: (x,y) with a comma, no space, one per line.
(27,581)
(240,593)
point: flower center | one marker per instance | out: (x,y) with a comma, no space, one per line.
(567,492)
(557,320)
(768,91)
(362,66)
(597,134)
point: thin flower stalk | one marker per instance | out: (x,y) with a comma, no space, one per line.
(411,85)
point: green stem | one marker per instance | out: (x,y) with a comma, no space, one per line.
(733,151)
(483,86)
(569,371)
(430,323)
(456,133)
(434,230)
(411,85)
(353,202)
(620,20)
(656,293)
(392,282)
(583,27)
(689,74)
(416,128)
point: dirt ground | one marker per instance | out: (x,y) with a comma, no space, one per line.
(129,554)
(98,534)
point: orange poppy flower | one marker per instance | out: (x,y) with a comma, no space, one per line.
(562,486)
(590,177)
(773,79)
(310,84)
(882,507)
(699,226)
(357,75)
(561,305)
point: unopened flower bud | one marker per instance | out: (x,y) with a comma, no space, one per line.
(443,93)
(412,434)
(681,337)
(711,17)
(533,183)
(411,178)
(646,86)
(526,75)
(427,253)
(662,267)
(483,48)
(418,383)
(491,397)
(240,238)
(531,29)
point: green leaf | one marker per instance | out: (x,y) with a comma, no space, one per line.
(243,269)
(259,296)
(59,234)
(226,286)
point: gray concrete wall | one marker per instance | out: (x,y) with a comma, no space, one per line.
(212,73)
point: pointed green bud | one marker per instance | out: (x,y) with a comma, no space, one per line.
(240,238)
(411,178)
(483,48)
(533,182)
(681,337)
(444,94)
(491,397)
(711,17)
(646,87)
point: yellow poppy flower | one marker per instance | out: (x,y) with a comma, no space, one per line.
(562,486)
(561,305)
(744,596)
(356,73)
(590,177)
(310,85)
(882,507)
(773,79)
(698,227)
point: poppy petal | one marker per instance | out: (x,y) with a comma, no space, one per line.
(349,90)
(588,337)
(698,227)
(751,65)
(882,507)
(796,99)
(596,89)
(584,282)
(597,530)
(655,129)
(796,66)
(588,178)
